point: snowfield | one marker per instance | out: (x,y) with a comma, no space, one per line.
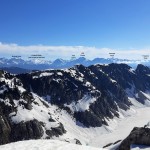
(118,129)
(82,104)
(123,127)
(45,145)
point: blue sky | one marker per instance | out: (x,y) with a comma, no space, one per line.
(113,24)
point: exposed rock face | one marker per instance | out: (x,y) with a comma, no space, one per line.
(109,84)
(68,86)
(56,131)
(21,115)
(27,130)
(5,130)
(139,136)
(92,95)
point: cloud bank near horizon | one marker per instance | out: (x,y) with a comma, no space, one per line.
(65,52)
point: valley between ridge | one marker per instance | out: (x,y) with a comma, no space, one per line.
(123,127)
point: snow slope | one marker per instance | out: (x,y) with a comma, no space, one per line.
(124,127)
(45,145)
(82,104)
(118,129)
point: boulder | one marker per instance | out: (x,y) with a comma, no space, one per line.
(138,136)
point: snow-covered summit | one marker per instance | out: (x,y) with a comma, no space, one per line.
(41,64)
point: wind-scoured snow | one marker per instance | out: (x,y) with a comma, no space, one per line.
(132,70)
(113,81)
(38,111)
(6,102)
(59,73)
(44,74)
(82,104)
(21,89)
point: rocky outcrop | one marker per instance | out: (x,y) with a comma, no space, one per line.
(139,136)
(24,115)
(5,130)
(27,130)
(92,95)
(70,85)
(56,131)
(108,84)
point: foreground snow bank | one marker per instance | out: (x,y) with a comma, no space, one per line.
(45,145)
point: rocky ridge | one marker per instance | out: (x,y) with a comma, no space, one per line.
(24,115)
(91,95)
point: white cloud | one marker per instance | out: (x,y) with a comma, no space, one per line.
(65,52)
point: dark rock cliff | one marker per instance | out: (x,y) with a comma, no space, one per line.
(92,95)
(138,136)
(106,83)
(14,102)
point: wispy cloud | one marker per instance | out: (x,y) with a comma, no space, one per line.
(65,52)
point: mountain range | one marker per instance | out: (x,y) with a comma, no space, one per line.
(39,64)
